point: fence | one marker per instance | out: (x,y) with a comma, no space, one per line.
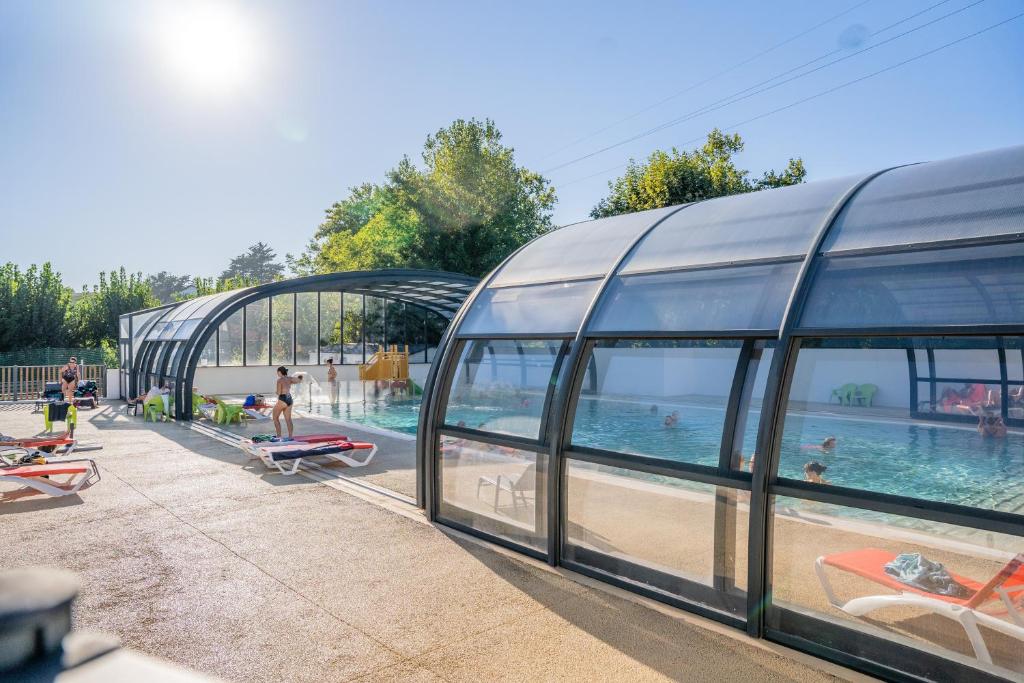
(51,356)
(21,382)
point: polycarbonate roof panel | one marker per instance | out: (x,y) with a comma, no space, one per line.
(751,297)
(554,308)
(577,251)
(937,288)
(756,225)
(979,195)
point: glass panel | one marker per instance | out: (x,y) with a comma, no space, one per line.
(536,309)
(969,363)
(581,250)
(230,334)
(921,358)
(500,386)
(747,298)
(306,332)
(1014,359)
(663,399)
(186,329)
(748,415)
(282,329)
(374,325)
(415,320)
(257,333)
(971,286)
(848,421)
(208,357)
(970,196)
(330,326)
(396,333)
(769,224)
(678,537)
(122,326)
(436,325)
(353,329)
(825,557)
(496,490)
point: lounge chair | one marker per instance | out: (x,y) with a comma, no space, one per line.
(38,478)
(154,409)
(274,455)
(271,440)
(845,394)
(517,488)
(1007,586)
(60,443)
(227,413)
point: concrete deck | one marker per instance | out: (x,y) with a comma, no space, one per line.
(189,553)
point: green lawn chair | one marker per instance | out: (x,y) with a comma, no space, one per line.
(866,394)
(153,409)
(845,394)
(226,414)
(197,401)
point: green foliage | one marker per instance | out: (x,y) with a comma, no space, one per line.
(95,315)
(209,285)
(675,177)
(167,287)
(258,263)
(35,306)
(465,210)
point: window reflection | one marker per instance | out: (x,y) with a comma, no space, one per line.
(663,399)
(855,419)
(230,336)
(501,386)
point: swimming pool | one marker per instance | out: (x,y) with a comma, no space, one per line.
(916,459)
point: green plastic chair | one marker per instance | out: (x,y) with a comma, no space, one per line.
(153,409)
(226,414)
(197,401)
(866,394)
(845,394)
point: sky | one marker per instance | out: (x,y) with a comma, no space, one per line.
(171,135)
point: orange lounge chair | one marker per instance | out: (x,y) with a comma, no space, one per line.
(37,478)
(50,444)
(1007,586)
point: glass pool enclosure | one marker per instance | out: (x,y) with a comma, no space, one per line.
(773,409)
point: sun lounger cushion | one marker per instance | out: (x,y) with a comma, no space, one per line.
(44,470)
(301,450)
(270,439)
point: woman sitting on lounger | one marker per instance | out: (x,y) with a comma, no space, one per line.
(284,400)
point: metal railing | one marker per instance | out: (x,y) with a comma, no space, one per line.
(26,382)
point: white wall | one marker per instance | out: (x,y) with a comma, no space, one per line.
(261,379)
(666,372)
(819,371)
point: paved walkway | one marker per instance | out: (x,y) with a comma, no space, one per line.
(190,553)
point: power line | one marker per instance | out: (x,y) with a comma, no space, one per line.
(708,79)
(829,91)
(747,94)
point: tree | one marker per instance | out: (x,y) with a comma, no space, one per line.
(467,208)
(167,287)
(258,263)
(474,204)
(96,313)
(675,177)
(34,306)
(202,286)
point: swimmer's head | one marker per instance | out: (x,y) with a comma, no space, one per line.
(283,371)
(829,442)
(815,467)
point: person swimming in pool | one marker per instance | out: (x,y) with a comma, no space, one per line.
(991,425)
(284,400)
(825,446)
(813,471)
(673,419)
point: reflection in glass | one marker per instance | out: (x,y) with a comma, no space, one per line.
(209,355)
(656,530)
(663,399)
(257,333)
(831,561)
(330,326)
(374,325)
(857,393)
(436,325)
(306,332)
(494,489)
(501,385)
(748,414)
(282,330)
(230,335)
(353,328)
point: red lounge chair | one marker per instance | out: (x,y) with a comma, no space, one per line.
(274,454)
(37,477)
(44,443)
(1007,586)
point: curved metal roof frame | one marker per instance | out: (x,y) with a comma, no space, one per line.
(437,291)
(956,230)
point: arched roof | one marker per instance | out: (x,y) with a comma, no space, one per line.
(936,244)
(173,336)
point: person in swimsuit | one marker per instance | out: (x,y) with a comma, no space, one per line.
(284,400)
(70,374)
(332,372)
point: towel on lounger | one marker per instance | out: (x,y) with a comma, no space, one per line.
(919,572)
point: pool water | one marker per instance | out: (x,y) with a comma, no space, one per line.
(952,463)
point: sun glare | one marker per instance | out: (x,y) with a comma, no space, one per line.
(211,47)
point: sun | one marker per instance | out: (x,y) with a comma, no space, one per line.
(211,47)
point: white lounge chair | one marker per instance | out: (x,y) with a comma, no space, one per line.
(1007,586)
(39,478)
(517,488)
(275,455)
